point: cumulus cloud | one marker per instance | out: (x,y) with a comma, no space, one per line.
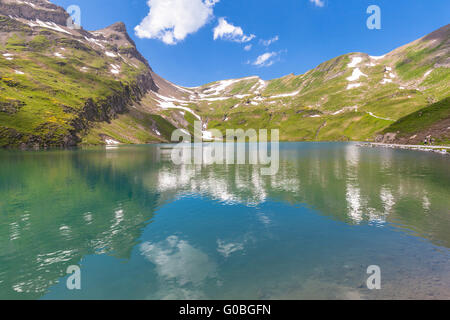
(248,47)
(269,42)
(227,31)
(171,21)
(227,249)
(318,3)
(266,60)
(177,260)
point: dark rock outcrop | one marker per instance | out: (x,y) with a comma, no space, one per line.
(109,108)
(40,9)
(93,111)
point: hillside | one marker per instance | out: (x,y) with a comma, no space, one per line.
(65,87)
(351,97)
(432,122)
(57,84)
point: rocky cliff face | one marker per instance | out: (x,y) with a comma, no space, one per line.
(34,10)
(74,77)
(109,108)
(60,86)
(93,111)
(118,35)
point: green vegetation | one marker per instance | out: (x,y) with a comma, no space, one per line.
(47,80)
(422,119)
(425,119)
(286,84)
(243,87)
(134,127)
(416,61)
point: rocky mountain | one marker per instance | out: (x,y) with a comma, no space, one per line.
(57,84)
(35,9)
(62,87)
(352,97)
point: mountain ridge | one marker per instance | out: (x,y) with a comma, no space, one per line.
(64,87)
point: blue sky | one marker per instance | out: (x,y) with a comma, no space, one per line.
(194,42)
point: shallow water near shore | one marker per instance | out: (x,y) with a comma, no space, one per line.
(141,227)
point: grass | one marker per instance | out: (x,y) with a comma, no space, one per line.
(51,90)
(135,127)
(412,65)
(243,87)
(49,95)
(422,119)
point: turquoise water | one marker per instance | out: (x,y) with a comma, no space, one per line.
(140,227)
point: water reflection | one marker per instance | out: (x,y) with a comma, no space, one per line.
(349,183)
(58,207)
(182,265)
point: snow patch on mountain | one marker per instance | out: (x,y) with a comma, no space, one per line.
(111,142)
(221,86)
(49,25)
(110,54)
(377,57)
(259,86)
(8,56)
(95,41)
(356,75)
(115,69)
(169,103)
(355,62)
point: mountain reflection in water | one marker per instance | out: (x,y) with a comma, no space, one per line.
(61,208)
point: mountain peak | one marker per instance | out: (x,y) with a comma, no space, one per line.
(116,31)
(118,27)
(117,34)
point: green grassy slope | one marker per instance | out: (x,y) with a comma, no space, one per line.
(47,77)
(327,103)
(433,121)
(61,87)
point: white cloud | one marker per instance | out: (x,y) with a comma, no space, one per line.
(179,261)
(227,249)
(248,47)
(318,3)
(171,21)
(266,60)
(269,42)
(182,269)
(227,31)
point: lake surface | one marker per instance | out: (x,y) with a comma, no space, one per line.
(141,227)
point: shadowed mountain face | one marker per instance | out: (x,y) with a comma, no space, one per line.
(62,87)
(62,207)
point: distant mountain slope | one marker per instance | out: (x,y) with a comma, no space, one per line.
(351,97)
(63,87)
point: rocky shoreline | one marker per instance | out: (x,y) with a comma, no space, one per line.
(436,149)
